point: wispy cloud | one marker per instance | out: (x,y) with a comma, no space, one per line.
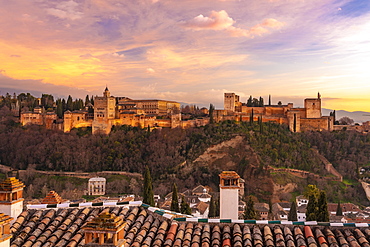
(66,10)
(221,21)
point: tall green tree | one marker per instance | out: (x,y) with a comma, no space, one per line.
(217,203)
(87,100)
(69,103)
(250,212)
(323,213)
(339,210)
(251,117)
(311,212)
(212,208)
(185,207)
(292,216)
(250,101)
(211,113)
(64,104)
(59,108)
(271,215)
(175,199)
(148,196)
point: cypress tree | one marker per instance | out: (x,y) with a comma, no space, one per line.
(185,208)
(269,99)
(217,203)
(64,105)
(292,216)
(339,210)
(261,103)
(323,214)
(148,196)
(251,117)
(311,212)
(59,108)
(211,111)
(69,103)
(175,200)
(212,208)
(250,101)
(250,213)
(87,100)
(270,216)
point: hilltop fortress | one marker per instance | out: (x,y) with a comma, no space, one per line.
(298,119)
(109,111)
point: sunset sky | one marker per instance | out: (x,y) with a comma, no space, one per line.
(190,51)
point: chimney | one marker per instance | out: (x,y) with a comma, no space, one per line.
(105,230)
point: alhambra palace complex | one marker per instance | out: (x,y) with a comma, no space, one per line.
(111,111)
(298,119)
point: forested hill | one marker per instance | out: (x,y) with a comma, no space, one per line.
(130,149)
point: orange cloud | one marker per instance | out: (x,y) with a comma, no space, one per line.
(216,21)
(221,21)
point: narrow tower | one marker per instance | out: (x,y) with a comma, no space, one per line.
(11,197)
(229,195)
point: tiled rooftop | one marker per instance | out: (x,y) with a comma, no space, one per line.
(63,227)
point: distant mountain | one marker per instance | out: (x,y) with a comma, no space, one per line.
(357,116)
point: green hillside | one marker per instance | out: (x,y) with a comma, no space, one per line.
(172,155)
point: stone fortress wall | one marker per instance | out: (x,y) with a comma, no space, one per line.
(298,119)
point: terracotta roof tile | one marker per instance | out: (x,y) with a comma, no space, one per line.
(62,227)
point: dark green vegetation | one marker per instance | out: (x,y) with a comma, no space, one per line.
(250,212)
(185,207)
(148,195)
(170,154)
(317,208)
(292,216)
(175,200)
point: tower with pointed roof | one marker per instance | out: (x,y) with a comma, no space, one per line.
(11,197)
(52,198)
(106,92)
(229,195)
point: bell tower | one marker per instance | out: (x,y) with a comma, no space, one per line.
(11,197)
(229,195)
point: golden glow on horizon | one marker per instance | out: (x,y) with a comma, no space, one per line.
(59,67)
(347,104)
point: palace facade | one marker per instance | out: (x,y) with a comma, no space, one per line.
(110,111)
